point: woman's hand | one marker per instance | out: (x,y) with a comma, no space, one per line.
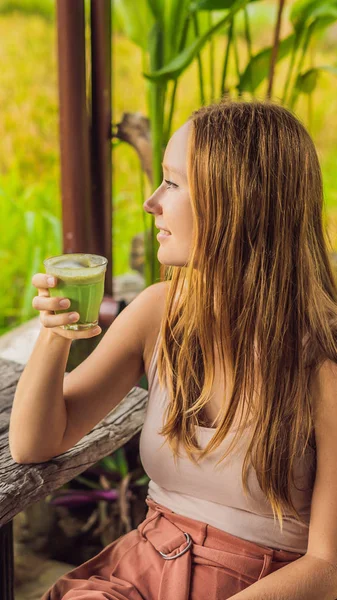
(46,305)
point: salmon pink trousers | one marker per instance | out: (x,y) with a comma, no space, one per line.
(170,557)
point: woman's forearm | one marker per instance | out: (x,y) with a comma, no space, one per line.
(39,418)
(308,578)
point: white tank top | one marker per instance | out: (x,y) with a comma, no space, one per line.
(214,494)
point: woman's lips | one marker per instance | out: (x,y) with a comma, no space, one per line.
(162,235)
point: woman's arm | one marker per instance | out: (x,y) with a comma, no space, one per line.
(51,413)
(39,417)
(307,578)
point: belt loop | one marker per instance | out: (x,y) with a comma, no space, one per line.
(144,523)
(266,565)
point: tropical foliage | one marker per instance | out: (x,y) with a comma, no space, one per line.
(172,34)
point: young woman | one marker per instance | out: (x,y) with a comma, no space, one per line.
(239,345)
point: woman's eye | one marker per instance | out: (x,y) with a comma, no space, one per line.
(170,183)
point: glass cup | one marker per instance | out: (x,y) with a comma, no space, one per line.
(80,277)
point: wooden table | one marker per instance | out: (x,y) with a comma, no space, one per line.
(22,485)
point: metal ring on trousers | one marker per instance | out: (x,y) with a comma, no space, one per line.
(189,542)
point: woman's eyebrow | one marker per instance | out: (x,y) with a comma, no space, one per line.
(174,170)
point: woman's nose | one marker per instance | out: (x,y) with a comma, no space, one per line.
(146,206)
(150,205)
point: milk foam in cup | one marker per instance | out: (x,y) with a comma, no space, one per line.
(80,277)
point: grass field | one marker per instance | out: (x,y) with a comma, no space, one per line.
(30,224)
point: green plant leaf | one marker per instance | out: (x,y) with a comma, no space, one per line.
(116,463)
(142,480)
(109,463)
(30,218)
(258,68)
(137,19)
(55,226)
(88,483)
(325,20)
(174,68)
(216,4)
(304,12)
(30,290)
(306,82)
(175,14)
(328,68)
(157,8)
(43,8)
(122,464)
(156,46)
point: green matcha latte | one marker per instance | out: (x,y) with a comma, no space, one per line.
(80,277)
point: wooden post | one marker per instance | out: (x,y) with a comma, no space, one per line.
(74,129)
(101,103)
(85,139)
(6,562)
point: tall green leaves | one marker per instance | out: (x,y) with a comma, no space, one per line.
(307,18)
(305,13)
(215,4)
(29,232)
(137,18)
(161,33)
(306,82)
(258,68)
(181,61)
(169,33)
(175,14)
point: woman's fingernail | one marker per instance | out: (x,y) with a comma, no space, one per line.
(73,317)
(50,280)
(65,303)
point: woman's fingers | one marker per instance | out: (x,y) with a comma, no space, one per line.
(72,334)
(50,320)
(43,281)
(47,305)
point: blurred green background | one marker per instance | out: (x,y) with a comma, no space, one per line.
(30,224)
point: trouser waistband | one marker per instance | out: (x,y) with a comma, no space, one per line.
(182,541)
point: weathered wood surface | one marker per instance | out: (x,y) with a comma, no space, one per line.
(21,485)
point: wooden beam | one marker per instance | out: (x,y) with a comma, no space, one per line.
(21,485)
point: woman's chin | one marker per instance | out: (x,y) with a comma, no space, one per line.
(171,262)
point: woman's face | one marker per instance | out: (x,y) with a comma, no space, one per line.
(170,203)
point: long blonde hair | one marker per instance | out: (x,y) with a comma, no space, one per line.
(258,283)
